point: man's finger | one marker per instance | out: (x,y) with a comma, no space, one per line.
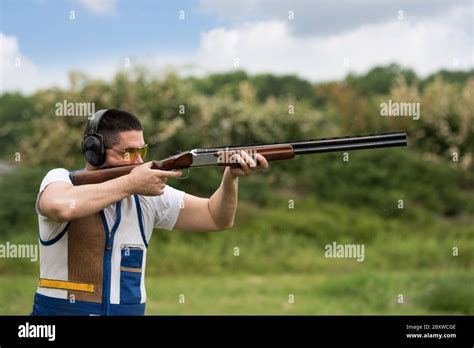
(248,159)
(148,164)
(167,173)
(236,158)
(246,169)
(262,161)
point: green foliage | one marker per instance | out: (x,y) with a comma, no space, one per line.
(379,80)
(379,181)
(225,84)
(17,201)
(268,85)
(16,111)
(454,77)
(265,85)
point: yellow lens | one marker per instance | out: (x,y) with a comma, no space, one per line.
(144,151)
(132,154)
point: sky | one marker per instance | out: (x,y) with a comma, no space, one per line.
(42,40)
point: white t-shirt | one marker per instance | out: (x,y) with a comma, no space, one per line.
(157,211)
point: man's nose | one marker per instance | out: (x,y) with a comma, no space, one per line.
(138,160)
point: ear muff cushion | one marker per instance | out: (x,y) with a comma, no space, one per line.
(93,150)
(92,158)
(90,143)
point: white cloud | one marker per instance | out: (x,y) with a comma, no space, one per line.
(19,73)
(322,17)
(15,68)
(269,46)
(100,6)
(29,77)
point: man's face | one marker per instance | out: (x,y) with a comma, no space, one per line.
(128,140)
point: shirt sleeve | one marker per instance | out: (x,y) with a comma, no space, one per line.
(167,207)
(58,174)
(48,229)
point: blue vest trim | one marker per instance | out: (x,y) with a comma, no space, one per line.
(45,305)
(118,217)
(140,219)
(105,296)
(104,223)
(109,245)
(55,239)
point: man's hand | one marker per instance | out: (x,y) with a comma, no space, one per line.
(248,165)
(149,182)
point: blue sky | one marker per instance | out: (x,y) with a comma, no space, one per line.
(318,40)
(47,34)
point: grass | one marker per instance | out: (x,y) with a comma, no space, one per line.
(424,292)
(282,253)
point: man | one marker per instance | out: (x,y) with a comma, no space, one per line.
(94,238)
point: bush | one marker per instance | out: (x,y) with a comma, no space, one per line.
(17,202)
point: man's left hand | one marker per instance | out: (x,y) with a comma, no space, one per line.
(248,164)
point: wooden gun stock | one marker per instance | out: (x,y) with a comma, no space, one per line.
(180,161)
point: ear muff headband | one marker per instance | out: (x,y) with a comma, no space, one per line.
(93,143)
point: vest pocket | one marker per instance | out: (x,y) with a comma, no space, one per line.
(131,274)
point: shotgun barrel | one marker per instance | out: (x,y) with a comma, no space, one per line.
(350,143)
(302,147)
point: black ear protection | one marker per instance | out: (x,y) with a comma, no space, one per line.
(93,146)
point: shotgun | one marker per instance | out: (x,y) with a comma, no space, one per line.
(222,156)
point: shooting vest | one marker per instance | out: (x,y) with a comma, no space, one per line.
(95,267)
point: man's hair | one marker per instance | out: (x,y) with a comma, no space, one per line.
(113,122)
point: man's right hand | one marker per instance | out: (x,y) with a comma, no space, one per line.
(145,181)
